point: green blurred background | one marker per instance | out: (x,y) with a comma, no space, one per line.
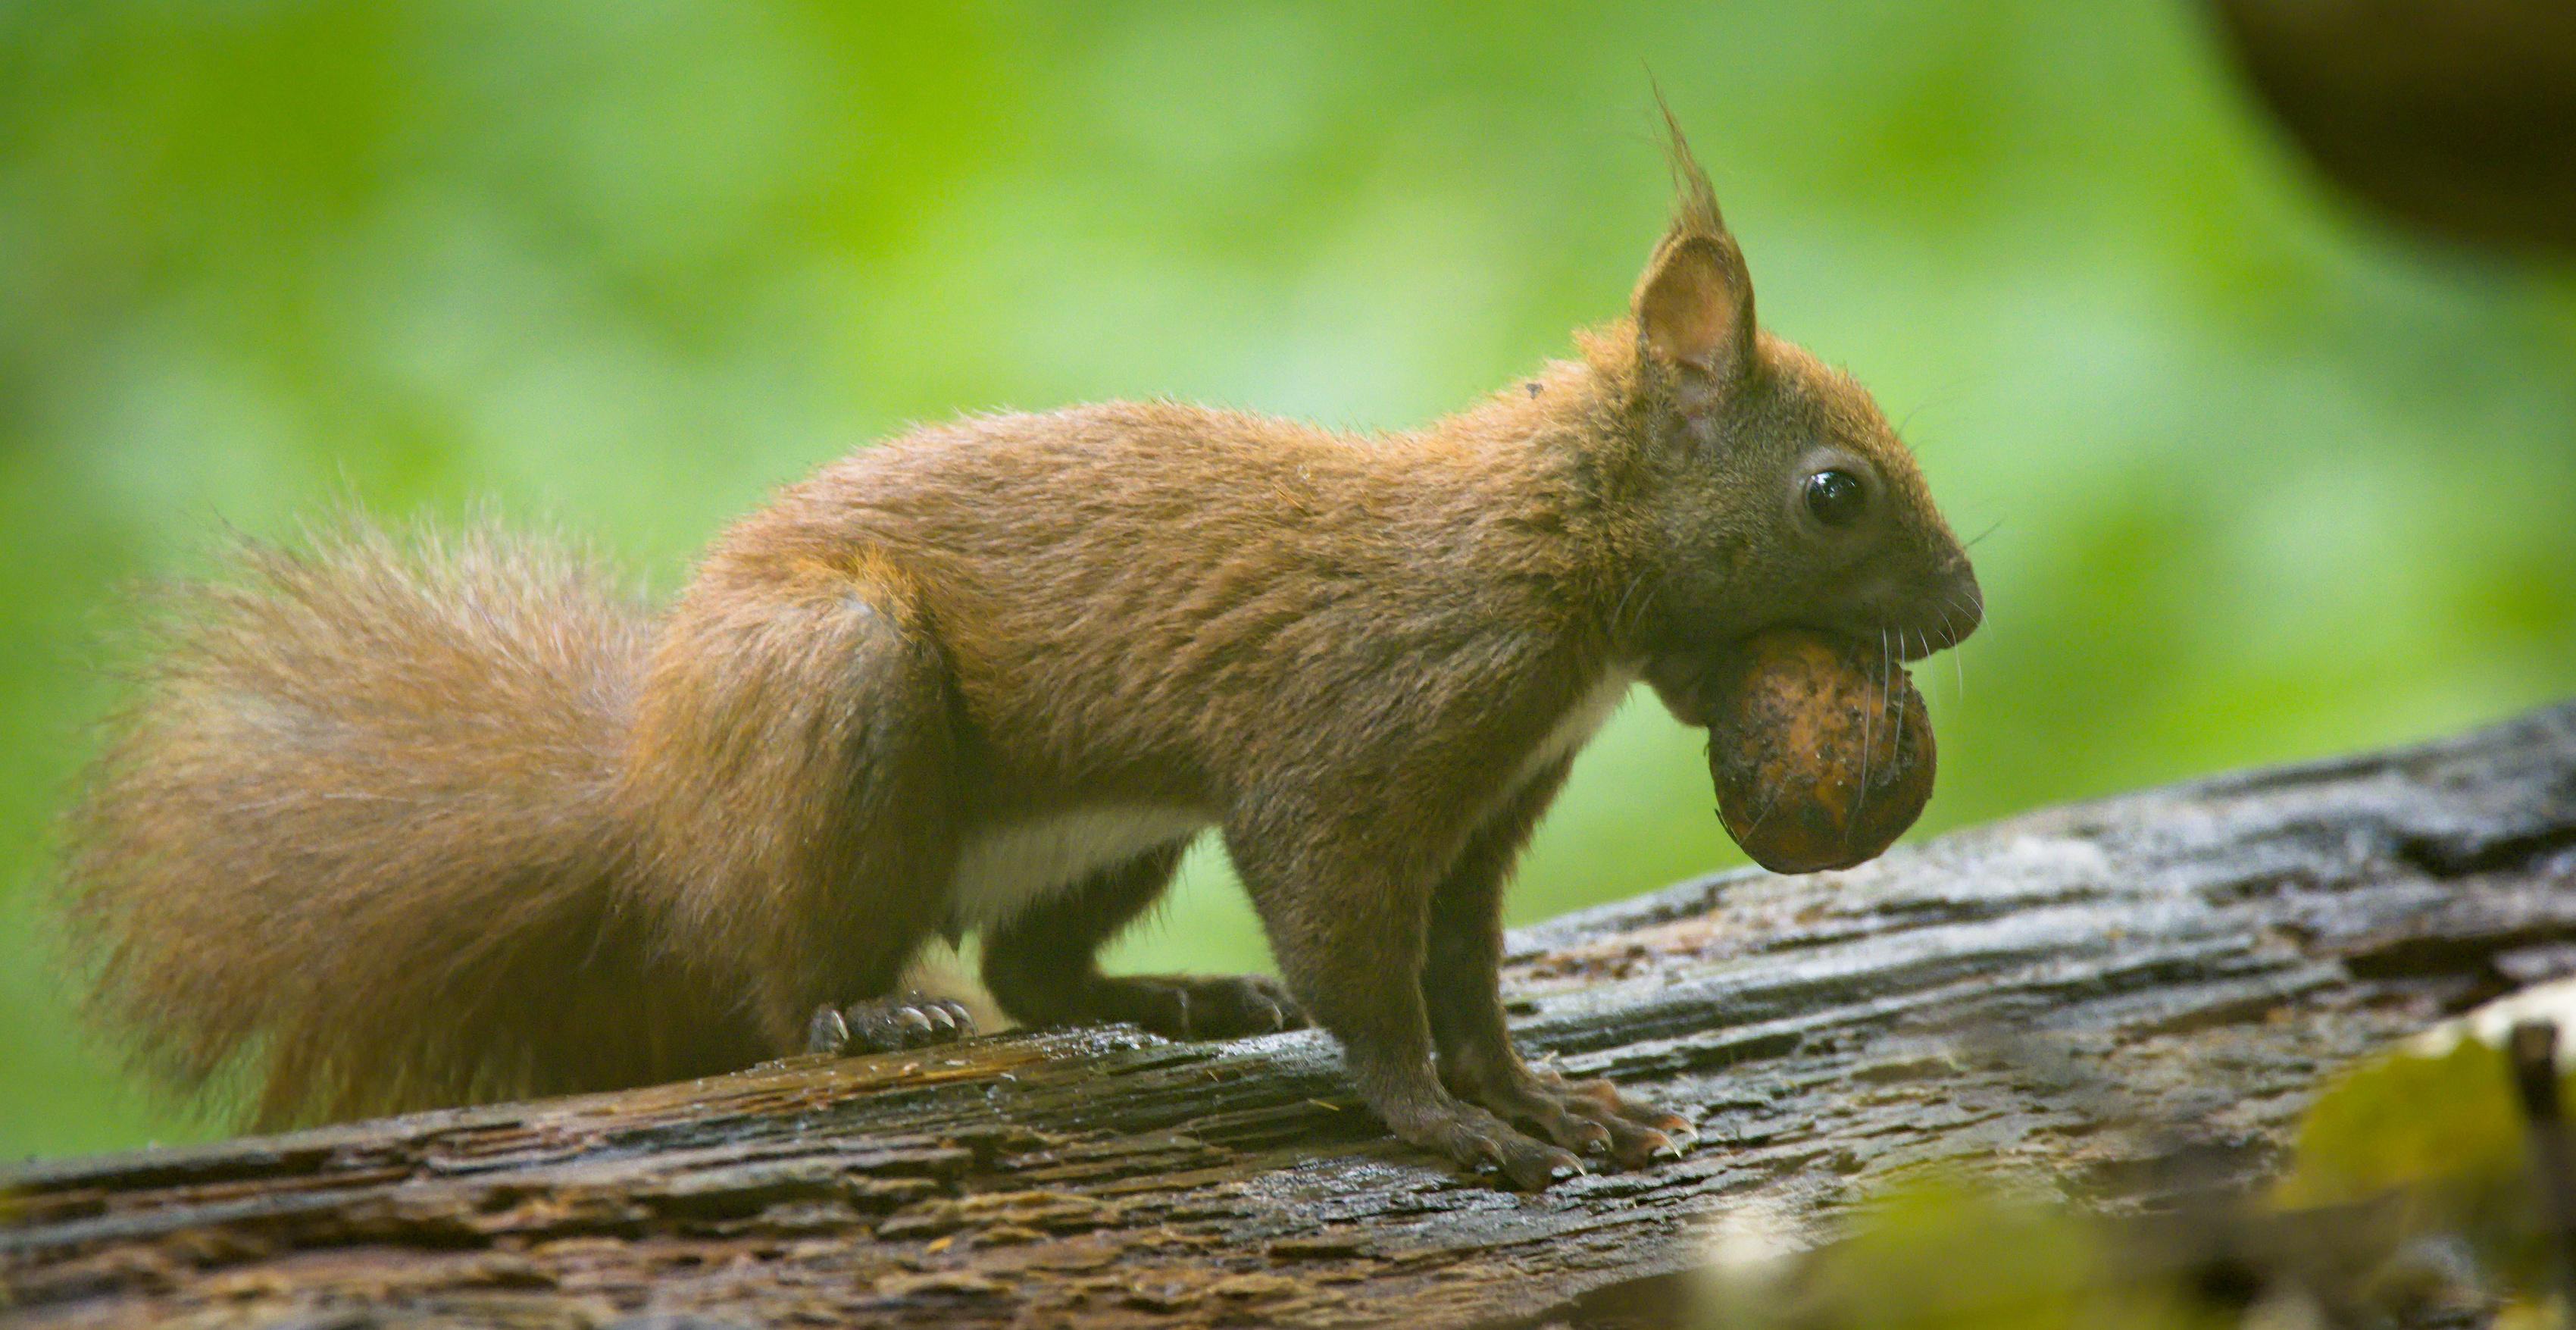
(2263,481)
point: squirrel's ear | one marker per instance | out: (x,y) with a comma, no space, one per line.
(1694,306)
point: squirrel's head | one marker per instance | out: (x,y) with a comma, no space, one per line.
(1762,487)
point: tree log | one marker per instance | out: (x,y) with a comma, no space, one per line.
(2077,996)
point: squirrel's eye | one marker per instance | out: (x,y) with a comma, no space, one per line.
(1835,497)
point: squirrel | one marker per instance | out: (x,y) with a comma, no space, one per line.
(397,823)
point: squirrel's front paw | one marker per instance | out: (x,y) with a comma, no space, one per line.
(1479,1140)
(1589,1116)
(882,1025)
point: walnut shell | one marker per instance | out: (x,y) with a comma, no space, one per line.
(1820,749)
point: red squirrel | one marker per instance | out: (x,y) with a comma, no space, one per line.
(401,823)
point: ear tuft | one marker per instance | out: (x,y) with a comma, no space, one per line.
(1694,201)
(1694,306)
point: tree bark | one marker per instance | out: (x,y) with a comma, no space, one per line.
(2080,996)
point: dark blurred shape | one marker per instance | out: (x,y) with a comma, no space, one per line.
(2456,117)
(2532,1047)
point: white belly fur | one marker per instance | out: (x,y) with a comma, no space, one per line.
(1576,727)
(1003,871)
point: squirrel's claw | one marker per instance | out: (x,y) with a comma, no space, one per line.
(883,1025)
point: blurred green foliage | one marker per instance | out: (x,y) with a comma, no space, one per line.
(1939,1251)
(2438,1140)
(2261,480)
(2410,1198)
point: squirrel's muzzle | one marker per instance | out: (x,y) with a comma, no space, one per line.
(1936,614)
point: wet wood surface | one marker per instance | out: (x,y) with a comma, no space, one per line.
(2077,996)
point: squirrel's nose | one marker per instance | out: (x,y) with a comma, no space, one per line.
(1962,607)
(1946,612)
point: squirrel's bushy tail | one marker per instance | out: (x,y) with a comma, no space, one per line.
(353,846)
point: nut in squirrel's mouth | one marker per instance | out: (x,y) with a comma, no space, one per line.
(1820,749)
(1906,644)
(1888,643)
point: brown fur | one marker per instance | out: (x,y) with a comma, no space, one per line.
(392,830)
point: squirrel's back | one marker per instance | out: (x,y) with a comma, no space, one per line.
(394,824)
(353,845)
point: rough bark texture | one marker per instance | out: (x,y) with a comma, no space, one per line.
(2078,994)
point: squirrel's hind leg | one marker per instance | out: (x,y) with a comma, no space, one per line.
(1043,966)
(807,791)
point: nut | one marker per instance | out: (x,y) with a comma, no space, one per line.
(1820,748)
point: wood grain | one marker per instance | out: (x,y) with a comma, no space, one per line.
(2082,997)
